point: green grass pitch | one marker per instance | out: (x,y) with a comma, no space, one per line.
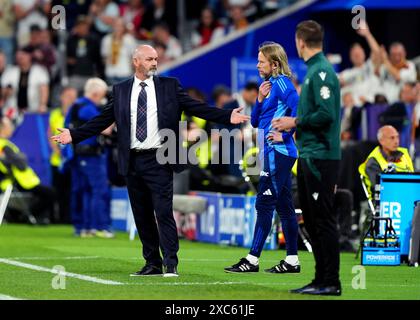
(201,271)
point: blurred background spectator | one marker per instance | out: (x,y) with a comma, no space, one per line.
(349,114)
(103,14)
(83,54)
(132,14)
(238,20)
(41,49)
(29,13)
(360,80)
(208,30)
(25,86)
(117,50)
(7,28)
(159,11)
(162,35)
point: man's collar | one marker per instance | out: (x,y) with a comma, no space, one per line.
(395,156)
(148,81)
(315,58)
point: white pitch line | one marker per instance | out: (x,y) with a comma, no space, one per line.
(234,283)
(183,283)
(66,274)
(6,297)
(53,258)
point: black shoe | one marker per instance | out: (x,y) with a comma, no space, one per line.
(326,291)
(170,271)
(284,267)
(306,289)
(148,270)
(242,266)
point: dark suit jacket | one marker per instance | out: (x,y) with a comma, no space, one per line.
(171,100)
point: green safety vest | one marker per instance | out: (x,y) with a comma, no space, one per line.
(405,165)
(26,178)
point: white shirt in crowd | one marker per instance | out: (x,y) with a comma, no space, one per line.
(390,87)
(123,66)
(153,139)
(217,35)
(361,82)
(173,49)
(111,10)
(35,17)
(38,76)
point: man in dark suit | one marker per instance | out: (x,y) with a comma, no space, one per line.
(142,107)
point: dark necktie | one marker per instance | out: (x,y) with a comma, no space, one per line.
(141,128)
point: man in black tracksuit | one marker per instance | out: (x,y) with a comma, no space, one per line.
(318,140)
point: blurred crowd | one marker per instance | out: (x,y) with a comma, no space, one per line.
(381,88)
(37,60)
(43,72)
(46,70)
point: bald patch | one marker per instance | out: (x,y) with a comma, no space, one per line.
(143,50)
(386,131)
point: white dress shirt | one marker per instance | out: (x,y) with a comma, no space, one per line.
(153,139)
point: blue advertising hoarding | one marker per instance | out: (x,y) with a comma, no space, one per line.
(121,214)
(208,222)
(398,194)
(230,219)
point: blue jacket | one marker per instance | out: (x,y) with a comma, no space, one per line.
(282,101)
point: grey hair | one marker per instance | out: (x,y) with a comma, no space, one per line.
(95,84)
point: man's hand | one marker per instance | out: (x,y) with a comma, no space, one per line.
(264,90)
(284,123)
(275,136)
(363,29)
(64,137)
(236,116)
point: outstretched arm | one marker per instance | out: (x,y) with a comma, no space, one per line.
(204,111)
(364,31)
(91,128)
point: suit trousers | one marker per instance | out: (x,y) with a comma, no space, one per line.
(150,189)
(316,186)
